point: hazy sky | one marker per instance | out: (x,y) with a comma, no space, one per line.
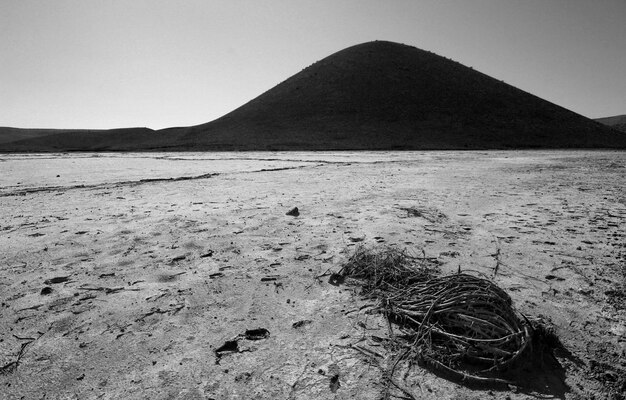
(158,63)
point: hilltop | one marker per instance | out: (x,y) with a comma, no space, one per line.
(376,95)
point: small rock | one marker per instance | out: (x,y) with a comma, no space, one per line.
(57,279)
(336,279)
(334,383)
(245,377)
(46,290)
(227,347)
(257,334)
(230,346)
(294,212)
(300,324)
(207,254)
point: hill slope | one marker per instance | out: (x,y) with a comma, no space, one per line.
(616,122)
(123,139)
(376,95)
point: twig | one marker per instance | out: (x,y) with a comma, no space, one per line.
(292,392)
(389,376)
(108,290)
(497,257)
(326,273)
(366,351)
(12,366)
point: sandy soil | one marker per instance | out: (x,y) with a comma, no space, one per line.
(122,276)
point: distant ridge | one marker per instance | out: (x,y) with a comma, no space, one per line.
(73,139)
(376,95)
(616,122)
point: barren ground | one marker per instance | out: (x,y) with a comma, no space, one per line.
(121,276)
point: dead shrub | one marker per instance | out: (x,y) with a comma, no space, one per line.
(460,324)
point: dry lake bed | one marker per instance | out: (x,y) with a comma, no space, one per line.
(122,274)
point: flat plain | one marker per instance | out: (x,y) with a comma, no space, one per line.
(122,274)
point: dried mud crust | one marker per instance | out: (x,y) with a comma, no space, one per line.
(146,281)
(606,361)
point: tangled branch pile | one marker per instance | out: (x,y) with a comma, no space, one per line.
(461,324)
(387,269)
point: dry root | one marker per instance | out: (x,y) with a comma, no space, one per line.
(459,324)
(386,269)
